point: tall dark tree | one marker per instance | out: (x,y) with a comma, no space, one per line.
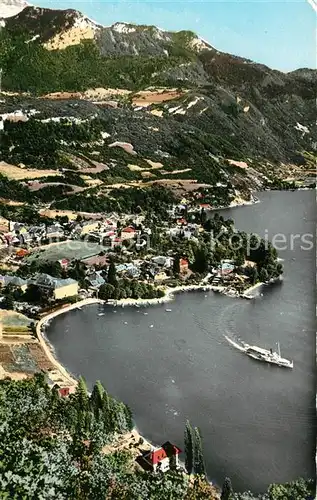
(78,272)
(227,490)
(263,275)
(112,274)
(199,463)
(96,398)
(176,265)
(81,395)
(201,260)
(203,216)
(106,411)
(189,447)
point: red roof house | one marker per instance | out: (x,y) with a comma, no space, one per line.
(64,263)
(64,391)
(22,253)
(183,265)
(159,458)
(128,232)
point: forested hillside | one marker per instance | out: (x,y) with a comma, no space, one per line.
(53,447)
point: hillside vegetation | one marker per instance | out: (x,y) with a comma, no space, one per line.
(63,448)
(227,110)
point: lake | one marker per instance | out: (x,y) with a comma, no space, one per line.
(257,420)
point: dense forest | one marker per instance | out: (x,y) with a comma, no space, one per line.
(79,67)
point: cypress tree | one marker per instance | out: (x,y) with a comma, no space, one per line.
(106,411)
(189,447)
(176,266)
(96,398)
(227,490)
(199,464)
(112,274)
(121,420)
(81,395)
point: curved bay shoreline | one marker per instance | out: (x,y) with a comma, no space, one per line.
(168,297)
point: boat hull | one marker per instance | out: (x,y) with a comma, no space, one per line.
(283,364)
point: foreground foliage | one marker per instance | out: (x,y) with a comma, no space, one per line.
(51,448)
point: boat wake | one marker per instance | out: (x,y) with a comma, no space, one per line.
(241,347)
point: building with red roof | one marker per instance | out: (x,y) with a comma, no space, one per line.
(159,458)
(21,253)
(183,265)
(96,260)
(64,263)
(63,391)
(128,233)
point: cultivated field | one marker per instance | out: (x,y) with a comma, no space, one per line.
(12,318)
(62,213)
(145,98)
(18,173)
(26,358)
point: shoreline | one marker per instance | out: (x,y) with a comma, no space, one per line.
(236,204)
(169,296)
(252,288)
(40,327)
(67,378)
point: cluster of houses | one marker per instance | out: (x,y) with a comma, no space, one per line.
(52,287)
(156,269)
(112,231)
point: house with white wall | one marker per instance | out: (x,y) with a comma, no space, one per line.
(159,459)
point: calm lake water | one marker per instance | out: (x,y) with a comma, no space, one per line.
(257,421)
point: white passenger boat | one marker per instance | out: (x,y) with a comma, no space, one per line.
(268,356)
(260,354)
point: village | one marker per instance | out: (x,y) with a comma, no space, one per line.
(74,259)
(78,253)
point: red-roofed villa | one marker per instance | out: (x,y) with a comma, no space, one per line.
(159,458)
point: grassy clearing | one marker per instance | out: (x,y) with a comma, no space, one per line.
(66,250)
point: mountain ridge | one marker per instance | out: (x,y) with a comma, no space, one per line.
(31,11)
(201,114)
